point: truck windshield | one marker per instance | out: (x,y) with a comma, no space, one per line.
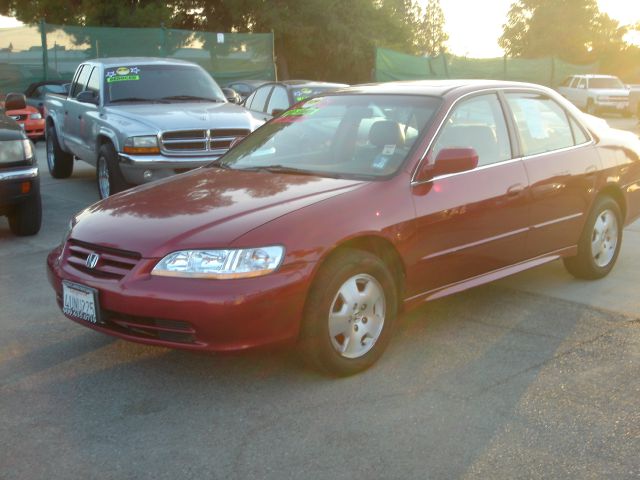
(609,82)
(149,83)
(355,136)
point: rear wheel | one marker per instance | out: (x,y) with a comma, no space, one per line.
(60,163)
(599,243)
(26,218)
(109,177)
(349,313)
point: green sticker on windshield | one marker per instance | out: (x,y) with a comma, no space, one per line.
(123,74)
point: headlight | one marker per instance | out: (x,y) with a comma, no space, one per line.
(141,145)
(236,263)
(14,151)
(35,116)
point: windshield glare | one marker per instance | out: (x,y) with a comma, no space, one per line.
(338,135)
(605,83)
(157,82)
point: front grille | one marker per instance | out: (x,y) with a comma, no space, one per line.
(112,264)
(214,141)
(145,327)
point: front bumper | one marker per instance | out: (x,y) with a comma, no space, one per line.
(139,169)
(17,185)
(612,105)
(193,314)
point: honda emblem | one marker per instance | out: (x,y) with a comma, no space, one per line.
(92,260)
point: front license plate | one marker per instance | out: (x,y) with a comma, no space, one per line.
(80,302)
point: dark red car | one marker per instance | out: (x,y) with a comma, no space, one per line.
(327,222)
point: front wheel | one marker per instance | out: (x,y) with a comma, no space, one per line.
(26,218)
(599,244)
(59,162)
(349,313)
(109,177)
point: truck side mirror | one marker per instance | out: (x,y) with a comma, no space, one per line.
(87,97)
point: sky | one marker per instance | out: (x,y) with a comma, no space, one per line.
(475,25)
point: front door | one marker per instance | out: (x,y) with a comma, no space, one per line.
(473,222)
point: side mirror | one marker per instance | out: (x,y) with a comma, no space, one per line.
(87,97)
(277,111)
(15,101)
(448,161)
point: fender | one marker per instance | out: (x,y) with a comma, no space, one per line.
(108,132)
(52,118)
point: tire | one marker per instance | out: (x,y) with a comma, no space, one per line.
(26,218)
(60,163)
(357,291)
(599,244)
(109,178)
(591,108)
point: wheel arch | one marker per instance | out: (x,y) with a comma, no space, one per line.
(378,246)
(615,192)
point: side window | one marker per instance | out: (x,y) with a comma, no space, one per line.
(279,100)
(249,100)
(582,83)
(93,84)
(542,123)
(566,82)
(81,81)
(574,82)
(579,135)
(477,123)
(260,98)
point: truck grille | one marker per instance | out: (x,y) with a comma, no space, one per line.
(189,142)
(112,264)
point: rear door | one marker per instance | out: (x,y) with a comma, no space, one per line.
(73,111)
(562,165)
(472,222)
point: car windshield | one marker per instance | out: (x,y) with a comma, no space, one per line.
(172,83)
(360,136)
(609,82)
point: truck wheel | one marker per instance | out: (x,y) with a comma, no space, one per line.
(349,314)
(26,218)
(60,163)
(591,108)
(108,174)
(599,243)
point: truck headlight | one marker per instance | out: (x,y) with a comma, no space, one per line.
(14,151)
(220,264)
(144,145)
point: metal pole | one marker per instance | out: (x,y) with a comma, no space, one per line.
(45,54)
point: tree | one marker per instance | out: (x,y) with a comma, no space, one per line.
(318,39)
(431,37)
(573,30)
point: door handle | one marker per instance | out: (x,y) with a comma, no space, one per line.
(66,112)
(515,190)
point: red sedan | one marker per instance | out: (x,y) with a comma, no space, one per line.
(327,222)
(31,121)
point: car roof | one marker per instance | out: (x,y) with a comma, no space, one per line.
(593,75)
(124,61)
(310,84)
(438,88)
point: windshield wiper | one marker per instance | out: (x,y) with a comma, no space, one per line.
(190,97)
(218,164)
(282,169)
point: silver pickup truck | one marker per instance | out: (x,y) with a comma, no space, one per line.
(139,120)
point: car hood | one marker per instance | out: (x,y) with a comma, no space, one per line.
(180,116)
(610,92)
(205,208)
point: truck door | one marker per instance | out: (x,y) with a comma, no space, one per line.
(73,111)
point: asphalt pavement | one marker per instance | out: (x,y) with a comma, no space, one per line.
(534,376)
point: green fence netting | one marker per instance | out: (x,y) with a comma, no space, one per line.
(391,65)
(33,53)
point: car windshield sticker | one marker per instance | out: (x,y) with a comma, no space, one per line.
(380,161)
(295,114)
(389,150)
(299,95)
(123,74)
